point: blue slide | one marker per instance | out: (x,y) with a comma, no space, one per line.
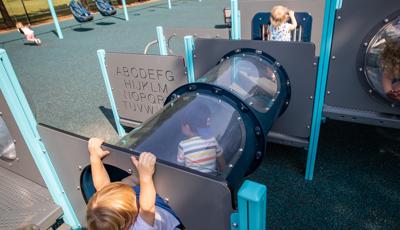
(105,7)
(81,14)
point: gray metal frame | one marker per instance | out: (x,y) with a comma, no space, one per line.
(196,32)
(248,8)
(300,64)
(200,202)
(24,164)
(178,34)
(348,96)
(25,200)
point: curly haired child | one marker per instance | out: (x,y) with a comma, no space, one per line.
(390,64)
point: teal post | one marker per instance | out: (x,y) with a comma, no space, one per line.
(252,207)
(26,122)
(323,67)
(238,26)
(55,19)
(125,10)
(235,20)
(189,46)
(101,54)
(162,44)
(339,4)
(169,4)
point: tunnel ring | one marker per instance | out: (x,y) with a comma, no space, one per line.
(369,66)
(277,68)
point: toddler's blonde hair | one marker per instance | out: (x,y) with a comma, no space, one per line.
(113,207)
(279,15)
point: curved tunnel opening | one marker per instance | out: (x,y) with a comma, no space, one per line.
(379,59)
(217,126)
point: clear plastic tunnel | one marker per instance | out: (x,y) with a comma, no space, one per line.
(217,126)
(379,67)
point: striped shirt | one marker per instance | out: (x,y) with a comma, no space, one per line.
(199,154)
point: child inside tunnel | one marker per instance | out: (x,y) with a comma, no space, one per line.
(199,151)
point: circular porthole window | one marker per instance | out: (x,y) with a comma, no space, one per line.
(382,62)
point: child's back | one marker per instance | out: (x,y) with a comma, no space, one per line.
(199,153)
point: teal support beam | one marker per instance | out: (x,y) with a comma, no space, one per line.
(189,47)
(27,124)
(252,207)
(125,10)
(339,4)
(162,43)
(238,26)
(55,19)
(101,54)
(323,68)
(235,20)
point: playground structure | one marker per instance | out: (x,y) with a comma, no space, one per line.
(304,81)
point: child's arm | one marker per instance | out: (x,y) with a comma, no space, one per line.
(147,200)
(292,26)
(99,173)
(387,79)
(221,162)
(220,158)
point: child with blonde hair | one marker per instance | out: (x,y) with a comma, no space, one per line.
(118,206)
(28,32)
(390,63)
(280,28)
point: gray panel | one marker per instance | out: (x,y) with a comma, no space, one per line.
(141,83)
(175,37)
(299,62)
(363,117)
(345,88)
(196,32)
(25,203)
(23,165)
(129,123)
(194,198)
(248,8)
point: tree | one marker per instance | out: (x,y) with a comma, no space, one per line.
(6,17)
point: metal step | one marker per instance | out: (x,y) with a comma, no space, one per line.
(25,203)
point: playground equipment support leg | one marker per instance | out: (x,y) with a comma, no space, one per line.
(252,207)
(235,20)
(101,54)
(189,46)
(323,67)
(26,123)
(55,19)
(125,10)
(162,44)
